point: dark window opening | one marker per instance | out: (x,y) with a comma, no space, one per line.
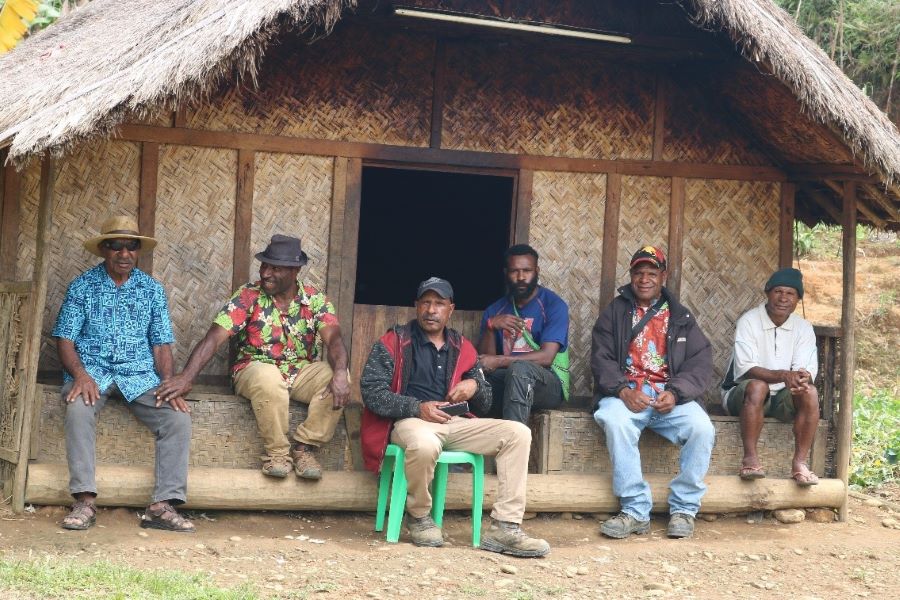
(417,224)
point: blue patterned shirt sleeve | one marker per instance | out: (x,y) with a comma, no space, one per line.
(160,323)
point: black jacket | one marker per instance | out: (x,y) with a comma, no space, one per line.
(688,352)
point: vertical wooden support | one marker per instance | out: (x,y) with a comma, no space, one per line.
(524,196)
(243,217)
(659,118)
(349,244)
(147,199)
(676,236)
(35,325)
(610,238)
(9,219)
(439,79)
(336,235)
(848,343)
(785,226)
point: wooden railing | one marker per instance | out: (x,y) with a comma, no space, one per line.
(828,340)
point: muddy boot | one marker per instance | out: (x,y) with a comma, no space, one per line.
(424,532)
(277,466)
(508,538)
(306,465)
(623,525)
(681,525)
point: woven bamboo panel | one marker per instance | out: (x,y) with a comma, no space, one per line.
(730,249)
(195,229)
(29,199)
(292,196)
(97,182)
(567,231)
(643,218)
(527,100)
(224,433)
(358,84)
(582,447)
(13,309)
(698,128)
(160,119)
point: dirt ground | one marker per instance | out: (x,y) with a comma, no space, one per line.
(338,555)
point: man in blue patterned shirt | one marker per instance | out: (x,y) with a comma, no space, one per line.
(115,340)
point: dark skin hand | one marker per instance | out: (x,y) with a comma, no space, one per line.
(509,323)
(637,401)
(462,392)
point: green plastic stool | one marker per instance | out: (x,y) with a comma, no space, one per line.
(393,481)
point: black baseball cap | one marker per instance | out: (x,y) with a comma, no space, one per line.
(439,286)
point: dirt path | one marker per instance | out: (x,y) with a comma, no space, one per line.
(337,555)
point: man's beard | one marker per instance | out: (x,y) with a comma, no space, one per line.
(522,293)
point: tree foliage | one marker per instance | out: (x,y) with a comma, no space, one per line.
(862,37)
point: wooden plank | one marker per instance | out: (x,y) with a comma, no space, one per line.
(823,201)
(848,343)
(822,171)
(10,192)
(349,244)
(828,377)
(439,78)
(353,423)
(659,118)
(522,209)
(555,443)
(786,226)
(883,201)
(439,156)
(9,456)
(246,489)
(335,235)
(7,327)
(31,402)
(610,241)
(676,235)
(15,287)
(243,217)
(147,199)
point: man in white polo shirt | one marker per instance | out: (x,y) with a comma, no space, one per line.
(772,374)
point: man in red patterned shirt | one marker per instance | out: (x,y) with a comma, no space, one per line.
(276,321)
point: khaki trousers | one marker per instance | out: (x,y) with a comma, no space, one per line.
(423,442)
(270,397)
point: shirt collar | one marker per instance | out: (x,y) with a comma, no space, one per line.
(767,323)
(421,339)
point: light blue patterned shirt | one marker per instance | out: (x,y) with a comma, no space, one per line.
(115,328)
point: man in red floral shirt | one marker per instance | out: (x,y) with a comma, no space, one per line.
(276,321)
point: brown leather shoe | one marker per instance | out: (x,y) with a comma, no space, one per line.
(306,465)
(277,466)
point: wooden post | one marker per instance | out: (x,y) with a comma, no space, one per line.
(147,199)
(35,325)
(243,217)
(349,245)
(9,222)
(522,217)
(848,344)
(609,249)
(785,228)
(676,235)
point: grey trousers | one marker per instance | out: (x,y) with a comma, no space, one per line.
(172,430)
(521,388)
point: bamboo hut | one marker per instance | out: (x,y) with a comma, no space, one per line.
(585,128)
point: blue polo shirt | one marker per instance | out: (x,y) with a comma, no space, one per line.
(115,328)
(546,318)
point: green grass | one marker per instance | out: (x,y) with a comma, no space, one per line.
(67,578)
(876,438)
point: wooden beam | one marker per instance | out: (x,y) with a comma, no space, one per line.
(243,217)
(522,209)
(438,156)
(838,189)
(147,199)
(32,344)
(610,244)
(883,201)
(786,226)
(335,235)
(439,79)
(10,194)
(848,343)
(349,244)
(246,489)
(659,118)
(822,200)
(676,235)
(822,171)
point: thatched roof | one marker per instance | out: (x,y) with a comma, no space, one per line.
(115,59)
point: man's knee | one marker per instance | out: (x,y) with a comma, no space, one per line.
(756,393)
(520,369)
(807,401)
(701,429)
(79,413)
(422,444)
(320,374)
(177,425)
(513,431)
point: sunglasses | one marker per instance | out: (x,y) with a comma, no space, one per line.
(116,245)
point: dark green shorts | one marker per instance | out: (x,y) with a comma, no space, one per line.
(779,406)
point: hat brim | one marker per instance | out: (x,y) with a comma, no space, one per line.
(93,245)
(261,257)
(651,261)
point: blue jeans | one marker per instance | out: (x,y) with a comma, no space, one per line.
(687,425)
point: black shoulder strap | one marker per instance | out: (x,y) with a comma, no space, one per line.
(646,318)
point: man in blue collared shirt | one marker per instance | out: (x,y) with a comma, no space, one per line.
(114,339)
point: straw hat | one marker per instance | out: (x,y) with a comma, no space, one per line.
(120,227)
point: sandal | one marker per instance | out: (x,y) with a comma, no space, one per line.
(166,519)
(82,516)
(751,473)
(805,478)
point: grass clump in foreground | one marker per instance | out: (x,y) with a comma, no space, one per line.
(66,578)
(876,438)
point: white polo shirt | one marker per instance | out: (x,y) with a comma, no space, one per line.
(759,343)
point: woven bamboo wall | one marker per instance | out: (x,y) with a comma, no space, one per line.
(195,229)
(292,196)
(522,99)
(730,248)
(29,183)
(359,84)
(643,219)
(567,231)
(98,181)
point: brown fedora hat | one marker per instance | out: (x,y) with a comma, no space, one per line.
(120,227)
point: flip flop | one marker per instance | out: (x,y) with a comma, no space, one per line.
(805,479)
(751,473)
